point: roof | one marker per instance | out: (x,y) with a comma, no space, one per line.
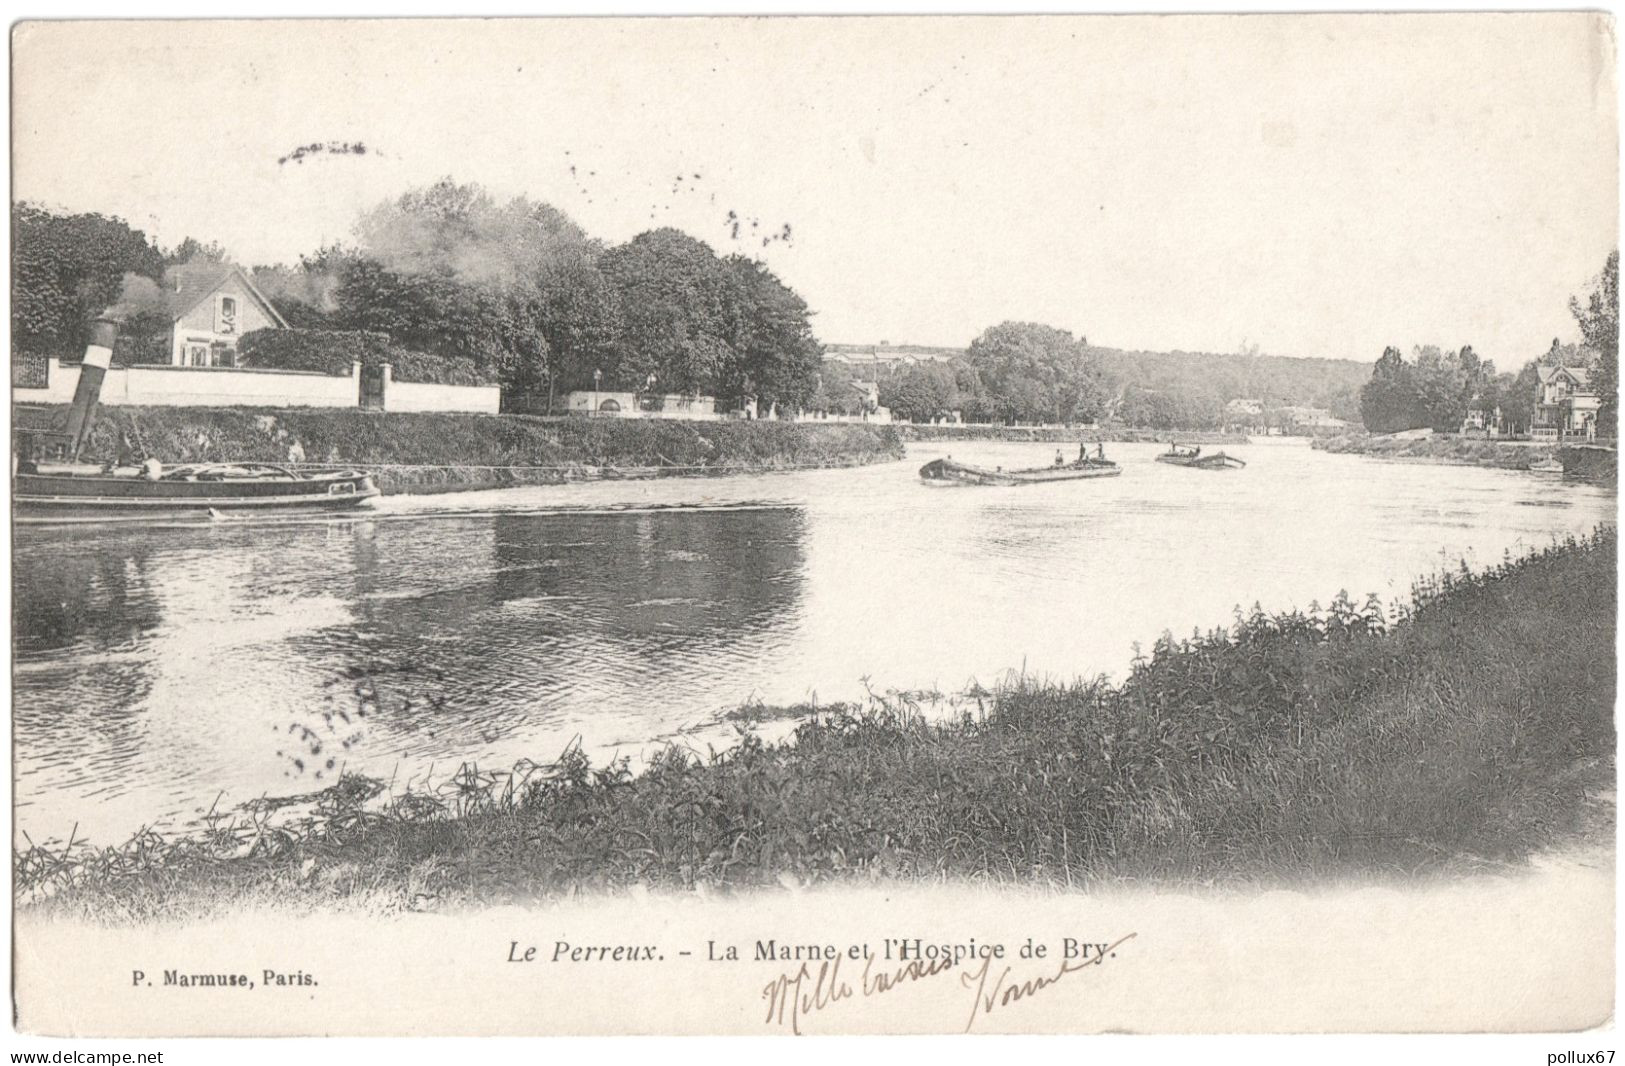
(189,284)
(1581,376)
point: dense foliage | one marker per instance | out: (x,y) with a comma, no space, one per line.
(1012,372)
(1598,317)
(66,270)
(513,292)
(1037,373)
(521,291)
(1436,389)
(1140,389)
(326,351)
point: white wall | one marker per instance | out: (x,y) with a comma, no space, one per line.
(167,386)
(687,408)
(415,396)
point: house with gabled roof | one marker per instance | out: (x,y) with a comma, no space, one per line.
(1568,405)
(211,305)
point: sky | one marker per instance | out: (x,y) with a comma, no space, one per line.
(1320,186)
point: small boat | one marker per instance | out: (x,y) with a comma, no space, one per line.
(1193,457)
(51,483)
(948,472)
(1548,465)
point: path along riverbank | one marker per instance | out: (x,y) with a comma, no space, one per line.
(1471,732)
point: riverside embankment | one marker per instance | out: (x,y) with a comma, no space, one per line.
(1063,434)
(1471,731)
(440,452)
(1590,462)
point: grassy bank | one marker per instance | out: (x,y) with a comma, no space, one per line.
(1467,732)
(1042,434)
(450,450)
(1591,463)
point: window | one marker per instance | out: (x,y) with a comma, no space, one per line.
(195,354)
(225,319)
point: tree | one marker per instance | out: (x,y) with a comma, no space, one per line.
(66,270)
(834,390)
(975,403)
(673,294)
(192,250)
(1388,401)
(580,323)
(1599,325)
(1441,388)
(773,355)
(1035,372)
(450,271)
(921,393)
(305,294)
(1518,395)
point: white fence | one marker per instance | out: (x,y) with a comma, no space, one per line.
(419,396)
(423,397)
(197,386)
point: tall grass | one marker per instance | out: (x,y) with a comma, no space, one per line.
(241,434)
(1465,727)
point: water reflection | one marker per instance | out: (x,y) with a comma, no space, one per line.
(151,669)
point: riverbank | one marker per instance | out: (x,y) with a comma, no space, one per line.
(443,452)
(1588,462)
(1061,435)
(1469,733)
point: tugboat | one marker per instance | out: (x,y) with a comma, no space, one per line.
(50,481)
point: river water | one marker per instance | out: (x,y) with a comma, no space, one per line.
(160,670)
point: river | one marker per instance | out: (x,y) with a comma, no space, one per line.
(162,670)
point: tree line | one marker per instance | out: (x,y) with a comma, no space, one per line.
(1029,372)
(516,287)
(1436,388)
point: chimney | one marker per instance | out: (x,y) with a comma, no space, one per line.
(98,355)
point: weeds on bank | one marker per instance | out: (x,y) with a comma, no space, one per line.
(192,434)
(1461,728)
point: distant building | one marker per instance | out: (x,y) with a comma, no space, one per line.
(602,403)
(1567,407)
(872,411)
(1481,423)
(1311,418)
(1243,415)
(210,306)
(885,355)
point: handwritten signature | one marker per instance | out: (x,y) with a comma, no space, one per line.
(808,991)
(1005,991)
(793,996)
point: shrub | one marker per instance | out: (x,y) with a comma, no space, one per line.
(332,351)
(28,371)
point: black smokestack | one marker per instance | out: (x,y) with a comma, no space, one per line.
(98,354)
